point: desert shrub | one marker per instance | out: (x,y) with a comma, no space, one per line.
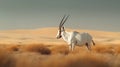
(13,48)
(4,58)
(39,48)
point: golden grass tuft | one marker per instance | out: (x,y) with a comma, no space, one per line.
(60,49)
(86,59)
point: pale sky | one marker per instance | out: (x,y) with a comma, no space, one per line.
(103,15)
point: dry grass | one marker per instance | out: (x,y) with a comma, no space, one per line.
(41,55)
(76,60)
(107,49)
(4,58)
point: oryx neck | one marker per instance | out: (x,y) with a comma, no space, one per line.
(65,35)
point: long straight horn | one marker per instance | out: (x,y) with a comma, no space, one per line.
(64,21)
(61,21)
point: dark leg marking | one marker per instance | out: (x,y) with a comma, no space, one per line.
(93,42)
(88,46)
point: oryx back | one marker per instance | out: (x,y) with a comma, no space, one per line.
(83,38)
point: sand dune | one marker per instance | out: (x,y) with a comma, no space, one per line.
(47,35)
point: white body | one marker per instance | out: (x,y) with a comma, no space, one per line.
(76,38)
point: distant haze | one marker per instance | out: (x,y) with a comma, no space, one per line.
(84,14)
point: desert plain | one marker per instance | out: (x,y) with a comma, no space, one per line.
(40,48)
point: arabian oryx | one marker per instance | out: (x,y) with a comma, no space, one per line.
(74,38)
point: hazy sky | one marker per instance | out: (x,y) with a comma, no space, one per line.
(84,14)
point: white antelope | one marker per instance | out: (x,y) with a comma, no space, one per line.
(74,38)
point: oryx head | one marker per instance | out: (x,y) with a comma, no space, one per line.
(61,27)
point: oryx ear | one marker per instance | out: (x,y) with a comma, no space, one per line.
(63,28)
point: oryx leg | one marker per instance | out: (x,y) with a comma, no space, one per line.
(93,42)
(72,46)
(88,46)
